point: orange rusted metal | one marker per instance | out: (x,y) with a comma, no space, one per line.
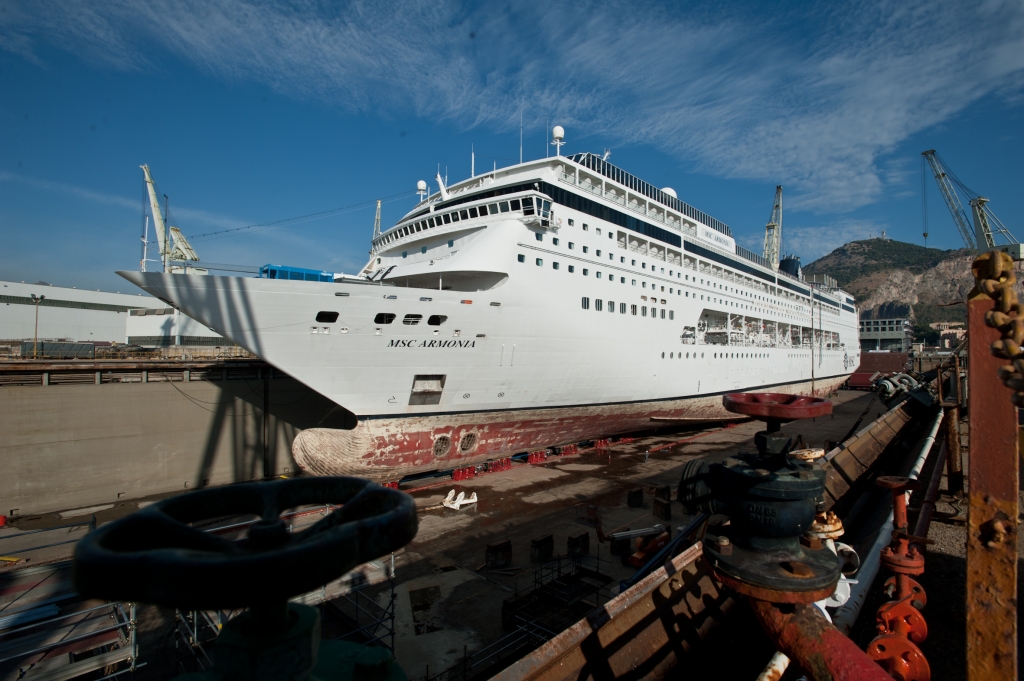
(810,640)
(992,508)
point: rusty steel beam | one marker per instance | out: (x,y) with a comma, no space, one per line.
(992,508)
(810,640)
(643,632)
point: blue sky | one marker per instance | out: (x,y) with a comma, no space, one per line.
(253,112)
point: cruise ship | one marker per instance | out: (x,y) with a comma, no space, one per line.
(549,302)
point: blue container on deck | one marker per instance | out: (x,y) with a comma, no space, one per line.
(294,273)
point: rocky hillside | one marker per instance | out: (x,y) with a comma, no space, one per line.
(895,279)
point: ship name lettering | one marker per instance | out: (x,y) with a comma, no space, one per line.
(394,343)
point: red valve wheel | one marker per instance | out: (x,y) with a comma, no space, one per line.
(777,406)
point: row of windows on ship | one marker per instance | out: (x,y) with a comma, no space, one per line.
(526,205)
(654,287)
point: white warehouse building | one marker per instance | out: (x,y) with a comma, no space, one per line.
(80,315)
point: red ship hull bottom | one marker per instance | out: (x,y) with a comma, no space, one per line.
(387,449)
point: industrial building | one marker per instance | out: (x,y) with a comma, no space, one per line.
(85,316)
(894,335)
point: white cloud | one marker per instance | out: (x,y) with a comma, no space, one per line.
(191,215)
(814,99)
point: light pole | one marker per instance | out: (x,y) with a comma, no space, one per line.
(35,340)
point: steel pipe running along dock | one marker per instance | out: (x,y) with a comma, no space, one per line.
(847,614)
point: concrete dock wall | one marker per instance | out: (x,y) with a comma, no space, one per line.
(68,446)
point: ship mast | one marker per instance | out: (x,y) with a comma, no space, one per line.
(158,217)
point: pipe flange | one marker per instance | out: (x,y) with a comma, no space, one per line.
(787,574)
(770,595)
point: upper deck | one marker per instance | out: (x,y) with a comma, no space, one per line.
(587,183)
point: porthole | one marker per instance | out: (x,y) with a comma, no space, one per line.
(436,319)
(468,442)
(663,355)
(384,318)
(442,445)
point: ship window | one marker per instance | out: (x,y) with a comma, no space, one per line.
(598,305)
(671,314)
(483,211)
(571,223)
(540,262)
(654,313)
(571,269)
(539,236)
(515,204)
(451,242)
(464,214)
(327,317)
(447,218)
(643,311)
(584,226)
(633,263)
(492,209)
(634,282)
(609,235)
(622,308)
(405,254)
(436,319)
(644,265)
(554,265)
(522,258)
(430,221)
(455,216)
(571,245)
(472,213)
(586,303)
(611,306)
(585,249)
(503,206)
(423,249)
(412,319)
(598,252)
(555,241)
(663,313)
(599,231)
(384,318)
(598,274)
(632,310)
(644,284)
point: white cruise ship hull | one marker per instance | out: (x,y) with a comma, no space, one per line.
(502,332)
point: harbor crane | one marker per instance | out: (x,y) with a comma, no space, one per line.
(773,231)
(986,224)
(174,247)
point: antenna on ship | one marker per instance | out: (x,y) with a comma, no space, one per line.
(557,135)
(520,134)
(376,220)
(472,162)
(421,190)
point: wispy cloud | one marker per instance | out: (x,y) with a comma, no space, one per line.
(814,98)
(190,215)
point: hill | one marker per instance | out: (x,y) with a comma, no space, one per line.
(897,279)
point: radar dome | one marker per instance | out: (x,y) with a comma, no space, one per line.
(671,192)
(558,132)
(421,186)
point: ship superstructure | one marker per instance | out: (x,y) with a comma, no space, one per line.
(552,301)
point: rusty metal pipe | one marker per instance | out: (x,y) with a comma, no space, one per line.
(924,517)
(803,634)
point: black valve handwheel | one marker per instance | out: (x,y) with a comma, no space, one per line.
(155,556)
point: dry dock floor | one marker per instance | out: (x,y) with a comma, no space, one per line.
(448,605)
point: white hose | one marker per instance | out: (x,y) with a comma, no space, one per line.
(847,614)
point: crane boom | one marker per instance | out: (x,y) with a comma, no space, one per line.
(956,209)
(986,224)
(773,231)
(158,217)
